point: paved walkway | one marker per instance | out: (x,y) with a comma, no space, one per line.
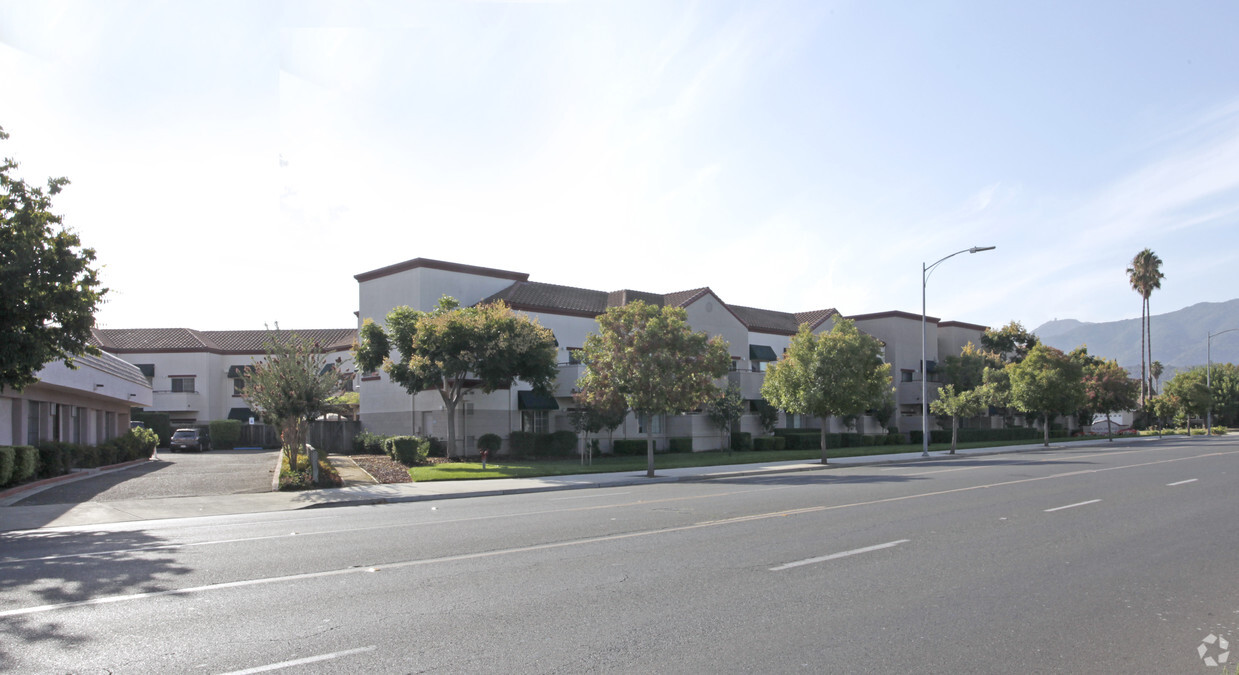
(94,513)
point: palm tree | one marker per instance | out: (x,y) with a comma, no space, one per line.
(1155,372)
(1145,276)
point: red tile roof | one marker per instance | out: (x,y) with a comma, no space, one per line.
(141,340)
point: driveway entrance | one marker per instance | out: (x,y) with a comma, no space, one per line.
(184,474)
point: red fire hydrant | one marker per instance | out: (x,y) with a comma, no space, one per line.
(485,455)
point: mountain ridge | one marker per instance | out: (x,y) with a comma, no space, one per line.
(1179,337)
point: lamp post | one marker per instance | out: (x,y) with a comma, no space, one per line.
(926,270)
(1208,381)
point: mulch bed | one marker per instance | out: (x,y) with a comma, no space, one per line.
(387,470)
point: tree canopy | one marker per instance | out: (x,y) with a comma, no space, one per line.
(292,387)
(48,286)
(648,357)
(454,350)
(1145,275)
(838,373)
(957,404)
(1011,343)
(1108,388)
(724,411)
(1048,382)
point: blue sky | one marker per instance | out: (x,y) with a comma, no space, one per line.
(236,164)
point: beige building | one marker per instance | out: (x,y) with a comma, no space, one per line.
(88,404)
(756,337)
(196,376)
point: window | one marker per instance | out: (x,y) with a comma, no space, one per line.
(32,423)
(759,366)
(906,375)
(238,385)
(537,421)
(576,356)
(183,384)
(655,424)
(75,424)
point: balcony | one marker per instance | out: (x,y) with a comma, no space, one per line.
(165,400)
(565,382)
(748,381)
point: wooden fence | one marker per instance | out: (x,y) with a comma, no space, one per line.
(333,437)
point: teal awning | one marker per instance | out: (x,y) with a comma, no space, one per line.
(762,353)
(528,400)
(148,369)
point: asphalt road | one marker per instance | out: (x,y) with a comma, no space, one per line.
(1082,560)
(182,474)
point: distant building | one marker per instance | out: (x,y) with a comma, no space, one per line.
(757,337)
(88,405)
(196,376)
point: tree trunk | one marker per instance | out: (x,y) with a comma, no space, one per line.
(1148,329)
(649,446)
(954,431)
(1143,330)
(1109,429)
(449,402)
(825,420)
(1046,423)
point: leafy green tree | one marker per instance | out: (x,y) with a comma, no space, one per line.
(650,358)
(593,419)
(1145,276)
(454,350)
(768,416)
(1189,394)
(1011,343)
(967,369)
(48,287)
(1048,382)
(1108,389)
(830,374)
(884,410)
(1225,393)
(724,411)
(291,387)
(957,404)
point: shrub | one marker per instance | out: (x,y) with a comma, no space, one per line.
(368,444)
(628,446)
(490,443)
(438,448)
(8,457)
(896,439)
(302,477)
(741,441)
(225,434)
(769,443)
(26,464)
(522,444)
(800,440)
(561,443)
(157,421)
(52,460)
(408,450)
(682,444)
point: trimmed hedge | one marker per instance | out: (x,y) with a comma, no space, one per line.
(408,450)
(984,435)
(628,446)
(769,443)
(562,443)
(8,457)
(682,444)
(741,441)
(225,434)
(490,442)
(156,421)
(367,443)
(530,444)
(26,463)
(522,444)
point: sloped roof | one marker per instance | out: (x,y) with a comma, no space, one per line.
(140,340)
(771,321)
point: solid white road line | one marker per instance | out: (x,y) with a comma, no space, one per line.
(301,662)
(1182,482)
(835,556)
(1072,506)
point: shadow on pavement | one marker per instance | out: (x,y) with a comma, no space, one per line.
(86,489)
(51,568)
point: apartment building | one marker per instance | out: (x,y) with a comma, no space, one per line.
(757,337)
(196,376)
(88,404)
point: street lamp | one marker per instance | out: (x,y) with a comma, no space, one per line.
(1208,381)
(926,270)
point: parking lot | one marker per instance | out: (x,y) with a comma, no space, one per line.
(184,474)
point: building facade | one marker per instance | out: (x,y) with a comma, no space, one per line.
(196,376)
(757,337)
(88,404)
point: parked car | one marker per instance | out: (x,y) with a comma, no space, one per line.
(191,439)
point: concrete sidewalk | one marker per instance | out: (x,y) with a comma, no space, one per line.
(14,518)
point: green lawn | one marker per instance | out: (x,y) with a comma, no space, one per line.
(608,464)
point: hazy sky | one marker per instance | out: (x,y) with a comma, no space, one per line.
(237,163)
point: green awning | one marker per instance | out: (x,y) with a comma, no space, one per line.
(236,371)
(528,400)
(243,415)
(762,353)
(148,369)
